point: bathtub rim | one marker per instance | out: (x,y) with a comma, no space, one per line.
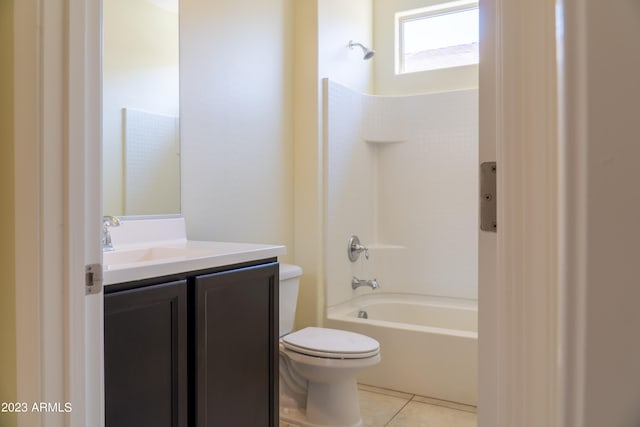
(344,311)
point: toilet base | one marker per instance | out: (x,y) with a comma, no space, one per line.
(334,404)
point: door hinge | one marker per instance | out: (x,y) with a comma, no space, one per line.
(488,205)
(92,279)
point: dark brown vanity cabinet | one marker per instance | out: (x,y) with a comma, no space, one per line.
(200,351)
(236,372)
(146,357)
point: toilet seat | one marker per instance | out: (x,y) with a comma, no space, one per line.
(331,343)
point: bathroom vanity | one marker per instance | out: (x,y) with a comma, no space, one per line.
(192,340)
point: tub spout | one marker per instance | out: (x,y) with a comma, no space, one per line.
(356,283)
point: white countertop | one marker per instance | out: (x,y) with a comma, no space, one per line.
(200,256)
(145,249)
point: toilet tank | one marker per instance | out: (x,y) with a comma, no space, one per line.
(289,284)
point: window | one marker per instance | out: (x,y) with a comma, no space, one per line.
(440,36)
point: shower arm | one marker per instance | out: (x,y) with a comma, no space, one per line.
(368,53)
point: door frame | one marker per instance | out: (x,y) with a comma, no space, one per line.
(84,206)
(519,342)
(58,204)
(58,212)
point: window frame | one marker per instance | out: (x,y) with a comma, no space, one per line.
(424,13)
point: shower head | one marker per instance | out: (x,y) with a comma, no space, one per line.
(368,53)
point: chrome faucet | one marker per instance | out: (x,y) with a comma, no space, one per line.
(356,283)
(108,222)
(354,249)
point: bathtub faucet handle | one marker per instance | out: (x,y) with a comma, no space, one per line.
(355,248)
(361,248)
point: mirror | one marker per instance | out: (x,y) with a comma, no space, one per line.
(140,92)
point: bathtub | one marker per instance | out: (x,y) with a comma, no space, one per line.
(429,345)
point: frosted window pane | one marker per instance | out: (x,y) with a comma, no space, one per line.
(440,41)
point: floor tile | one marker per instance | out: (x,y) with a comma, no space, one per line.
(378,408)
(418,414)
(386,391)
(445,403)
(389,408)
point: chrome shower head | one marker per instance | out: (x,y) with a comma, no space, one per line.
(368,53)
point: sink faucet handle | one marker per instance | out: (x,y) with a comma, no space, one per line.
(111,221)
(107,222)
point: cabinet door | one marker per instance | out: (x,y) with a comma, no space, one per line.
(145,343)
(236,372)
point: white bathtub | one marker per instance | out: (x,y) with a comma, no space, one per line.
(429,346)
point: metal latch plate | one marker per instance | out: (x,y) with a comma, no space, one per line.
(488,205)
(93,278)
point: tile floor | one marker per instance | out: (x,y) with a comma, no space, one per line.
(388,408)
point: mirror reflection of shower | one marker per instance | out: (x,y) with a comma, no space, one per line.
(368,53)
(141,107)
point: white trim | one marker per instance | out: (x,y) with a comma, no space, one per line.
(54,164)
(84,207)
(40,243)
(600,210)
(437,9)
(27,206)
(573,210)
(52,145)
(490,363)
(524,390)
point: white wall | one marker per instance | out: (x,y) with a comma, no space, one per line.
(236,120)
(307,163)
(402,174)
(322,33)
(340,22)
(601,87)
(140,71)
(386,81)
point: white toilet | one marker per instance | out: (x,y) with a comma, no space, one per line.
(319,366)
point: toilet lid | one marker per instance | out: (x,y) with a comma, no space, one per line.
(331,343)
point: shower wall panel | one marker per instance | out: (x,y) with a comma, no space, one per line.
(350,199)
(402,173)
(428,197)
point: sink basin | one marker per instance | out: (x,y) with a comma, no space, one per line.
(159,248)
(150,255)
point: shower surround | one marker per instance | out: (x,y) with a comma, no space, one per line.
(402,174)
